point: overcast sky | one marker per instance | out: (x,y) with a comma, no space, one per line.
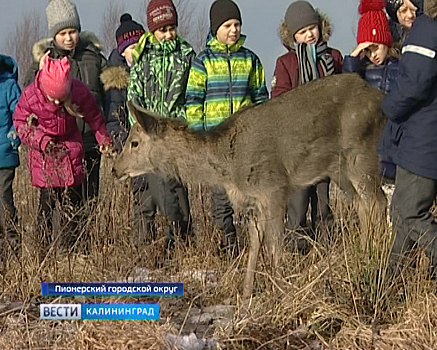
(261,20)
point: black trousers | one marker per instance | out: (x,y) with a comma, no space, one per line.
(222,212)
(90,187)
(318,196)
(70,216)
(413,223)
(153,191)
(8,212)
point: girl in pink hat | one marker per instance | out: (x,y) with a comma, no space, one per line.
(45,119)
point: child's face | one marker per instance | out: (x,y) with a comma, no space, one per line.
(308,35)
(67,39)
(407,14)
(165,33)
(229,32)
(377,53)
(127,54)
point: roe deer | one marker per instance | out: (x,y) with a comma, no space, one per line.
(261,154)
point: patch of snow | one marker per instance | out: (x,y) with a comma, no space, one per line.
(191,342)
(140,274)
(207,277)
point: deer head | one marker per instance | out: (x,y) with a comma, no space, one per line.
(136,157)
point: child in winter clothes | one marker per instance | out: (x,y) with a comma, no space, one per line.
(115,79)
(374,58)
(9,142)
(225,77)
(45,119)
(305,33)
(158,80)
(87,63)
(411,108)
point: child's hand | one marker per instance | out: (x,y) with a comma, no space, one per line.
(360,48)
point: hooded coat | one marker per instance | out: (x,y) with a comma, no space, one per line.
(159,76)
(9,95)
(39,121)
(115,79)
(411,106)
(223,79)
(286,74)
(87,63)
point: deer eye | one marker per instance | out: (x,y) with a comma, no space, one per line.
(134,144)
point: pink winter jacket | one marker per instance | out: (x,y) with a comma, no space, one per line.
(39,121)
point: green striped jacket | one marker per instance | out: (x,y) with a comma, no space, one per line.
(222,80)
(159,76)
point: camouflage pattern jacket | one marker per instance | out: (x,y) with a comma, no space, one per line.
(159,76)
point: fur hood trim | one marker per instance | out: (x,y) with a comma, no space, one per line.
(430,8)
(324,24)
(41,46)
(116,77)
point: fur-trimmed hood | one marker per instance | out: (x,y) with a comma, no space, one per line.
(87,38)
(325,26)
(116,77)
(430,8)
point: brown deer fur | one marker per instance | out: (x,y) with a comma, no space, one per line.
(329,127)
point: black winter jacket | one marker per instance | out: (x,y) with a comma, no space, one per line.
(115,80)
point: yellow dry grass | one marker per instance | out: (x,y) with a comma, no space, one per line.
(338,296)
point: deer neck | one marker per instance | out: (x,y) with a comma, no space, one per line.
(194,159)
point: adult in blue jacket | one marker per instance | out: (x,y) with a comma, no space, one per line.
(9,142)
(411,137)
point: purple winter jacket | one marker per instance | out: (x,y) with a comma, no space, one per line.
(39,121)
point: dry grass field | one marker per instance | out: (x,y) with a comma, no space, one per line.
(338,296)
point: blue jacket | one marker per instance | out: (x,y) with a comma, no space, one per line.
(411,106)
(383,78)
(9,95)
(380,77)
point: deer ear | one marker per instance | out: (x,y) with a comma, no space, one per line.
(147,121)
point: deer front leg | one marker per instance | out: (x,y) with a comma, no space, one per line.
(256,234)
(273,241)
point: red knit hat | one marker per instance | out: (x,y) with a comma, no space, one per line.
(55,78)
(161,13)
(373,25)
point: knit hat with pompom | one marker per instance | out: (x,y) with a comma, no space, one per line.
(373,24)
(128,33)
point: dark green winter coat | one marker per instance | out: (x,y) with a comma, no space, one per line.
(159,76)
